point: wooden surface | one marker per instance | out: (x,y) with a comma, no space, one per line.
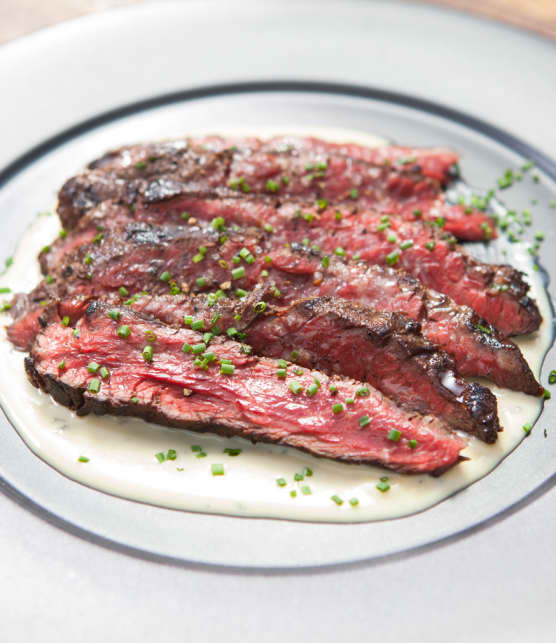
(19,17)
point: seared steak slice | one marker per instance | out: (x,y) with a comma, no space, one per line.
(345,338)
(436,163)
(152,372)
(475,345)
(164,170)
(496,292)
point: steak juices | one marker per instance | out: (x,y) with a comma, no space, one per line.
(315,274)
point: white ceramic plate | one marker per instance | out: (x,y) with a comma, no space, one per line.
(79,83)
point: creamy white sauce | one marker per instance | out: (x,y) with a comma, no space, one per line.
(121,451)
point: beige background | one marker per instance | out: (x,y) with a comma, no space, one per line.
(19,17)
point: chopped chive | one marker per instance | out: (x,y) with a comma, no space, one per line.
(268,227)
(172,454)
(417,214)
(333,389)
(392,258)
(124,331)
(94,385)
(354,193)
(339,252)
(294,355)
(391,238)
(546,395)
(394,435)
(383,485)
(187,348)
(227,369)
(165,276)
(337,408)
(114,314)
(527,427)
(65,320)
(148,353)
(124,292)
(337,500)
(430,245)
(198,325)
(49,279)
(383,226)
(238,273)
(406,244)
(363,421)
(349,400)
(272,186)
(240,292)
(312,390)
(293,493)
(412,444)
(295,387)
(306,490)
(218,223)
(62,365)
(201,454)
(281,482)
(199,348)
(5,290)
(354,502)
(134,400)
(298,477)
(46,249)
(338,216)
(198,257)
(160,456)
(281,373)
(268,259)
(322,204)
(93,367)
(82,458)
(552,377)
(232,452)
(363,392)
(217,469)
(63,233)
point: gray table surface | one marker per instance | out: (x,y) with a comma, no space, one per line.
(495,584)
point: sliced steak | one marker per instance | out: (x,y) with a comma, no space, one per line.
(496,292)
(188,389)
(436,163)
(478,349)
(163,170)
(344,338)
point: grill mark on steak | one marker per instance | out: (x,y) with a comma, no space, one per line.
(176,170)
(339,337)
(226,404)
(477,347)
